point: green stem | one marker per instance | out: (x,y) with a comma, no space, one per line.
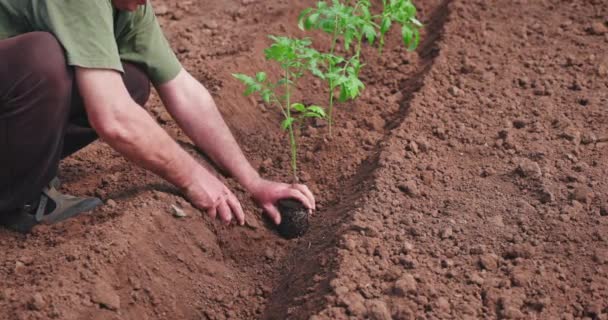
(330,114)
(292,137)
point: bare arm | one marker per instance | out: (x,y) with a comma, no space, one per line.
(193,108)
(127,128)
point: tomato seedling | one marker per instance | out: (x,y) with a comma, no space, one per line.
(353,23)
(295,57)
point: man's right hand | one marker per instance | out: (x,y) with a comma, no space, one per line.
(208,193)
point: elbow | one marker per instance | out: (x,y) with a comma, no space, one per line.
(111,130)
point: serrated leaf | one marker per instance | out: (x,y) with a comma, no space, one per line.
(370,33)
(385,25)
(261,76)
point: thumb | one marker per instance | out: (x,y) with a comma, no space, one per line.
(273,213)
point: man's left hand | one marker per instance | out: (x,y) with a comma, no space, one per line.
(267,193)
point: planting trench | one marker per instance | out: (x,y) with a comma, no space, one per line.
(468,182)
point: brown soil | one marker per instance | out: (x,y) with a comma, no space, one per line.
(469,182)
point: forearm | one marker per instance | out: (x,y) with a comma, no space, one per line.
(126,127)
(195,111)
(135,135)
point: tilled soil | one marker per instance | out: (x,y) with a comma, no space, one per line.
(469,182)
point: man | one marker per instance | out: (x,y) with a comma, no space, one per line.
(73,70)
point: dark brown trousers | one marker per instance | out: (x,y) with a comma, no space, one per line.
(42,117)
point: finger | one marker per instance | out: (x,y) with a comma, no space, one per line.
(224,211)
(237,209)
(304,189)
(298,195)
(273,213)
(212,212)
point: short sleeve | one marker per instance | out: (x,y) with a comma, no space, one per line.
(85,29)
(141,41)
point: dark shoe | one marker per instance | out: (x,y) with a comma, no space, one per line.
(53,207)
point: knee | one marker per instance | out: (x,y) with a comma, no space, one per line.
(44,59)
(137,83)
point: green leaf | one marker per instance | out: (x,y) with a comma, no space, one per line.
(416,41)
(311,21)
(370,33)
(266,95)
(407,35)
(243,78)
(298,107)
(302,17)
(385,25)
(317,110)
(288,122)
(261,76)
(416,22)
(312,115)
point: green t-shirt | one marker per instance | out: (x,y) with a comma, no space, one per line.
(94,34)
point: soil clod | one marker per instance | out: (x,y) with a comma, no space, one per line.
(294,219)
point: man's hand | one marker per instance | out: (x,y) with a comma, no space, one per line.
(208,193)
(267,193)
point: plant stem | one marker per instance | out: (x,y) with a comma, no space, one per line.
(330,112)
(292,137)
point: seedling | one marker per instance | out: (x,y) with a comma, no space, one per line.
(353,24)
(295,56)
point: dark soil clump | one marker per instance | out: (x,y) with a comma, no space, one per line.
(294,222)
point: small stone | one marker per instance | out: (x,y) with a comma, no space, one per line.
(489,262)
(407,247)
(446,233)
(476,279)
(443,304)
(598,28)
(582,194)
(20,267)
(111,203)
(546,196)
(211,24)
(588,138)
(378,310)
(407,284)
(104,295)
(454,91)
(269,254)
(37,302)
(178,212)
(410,188)
(528,168)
